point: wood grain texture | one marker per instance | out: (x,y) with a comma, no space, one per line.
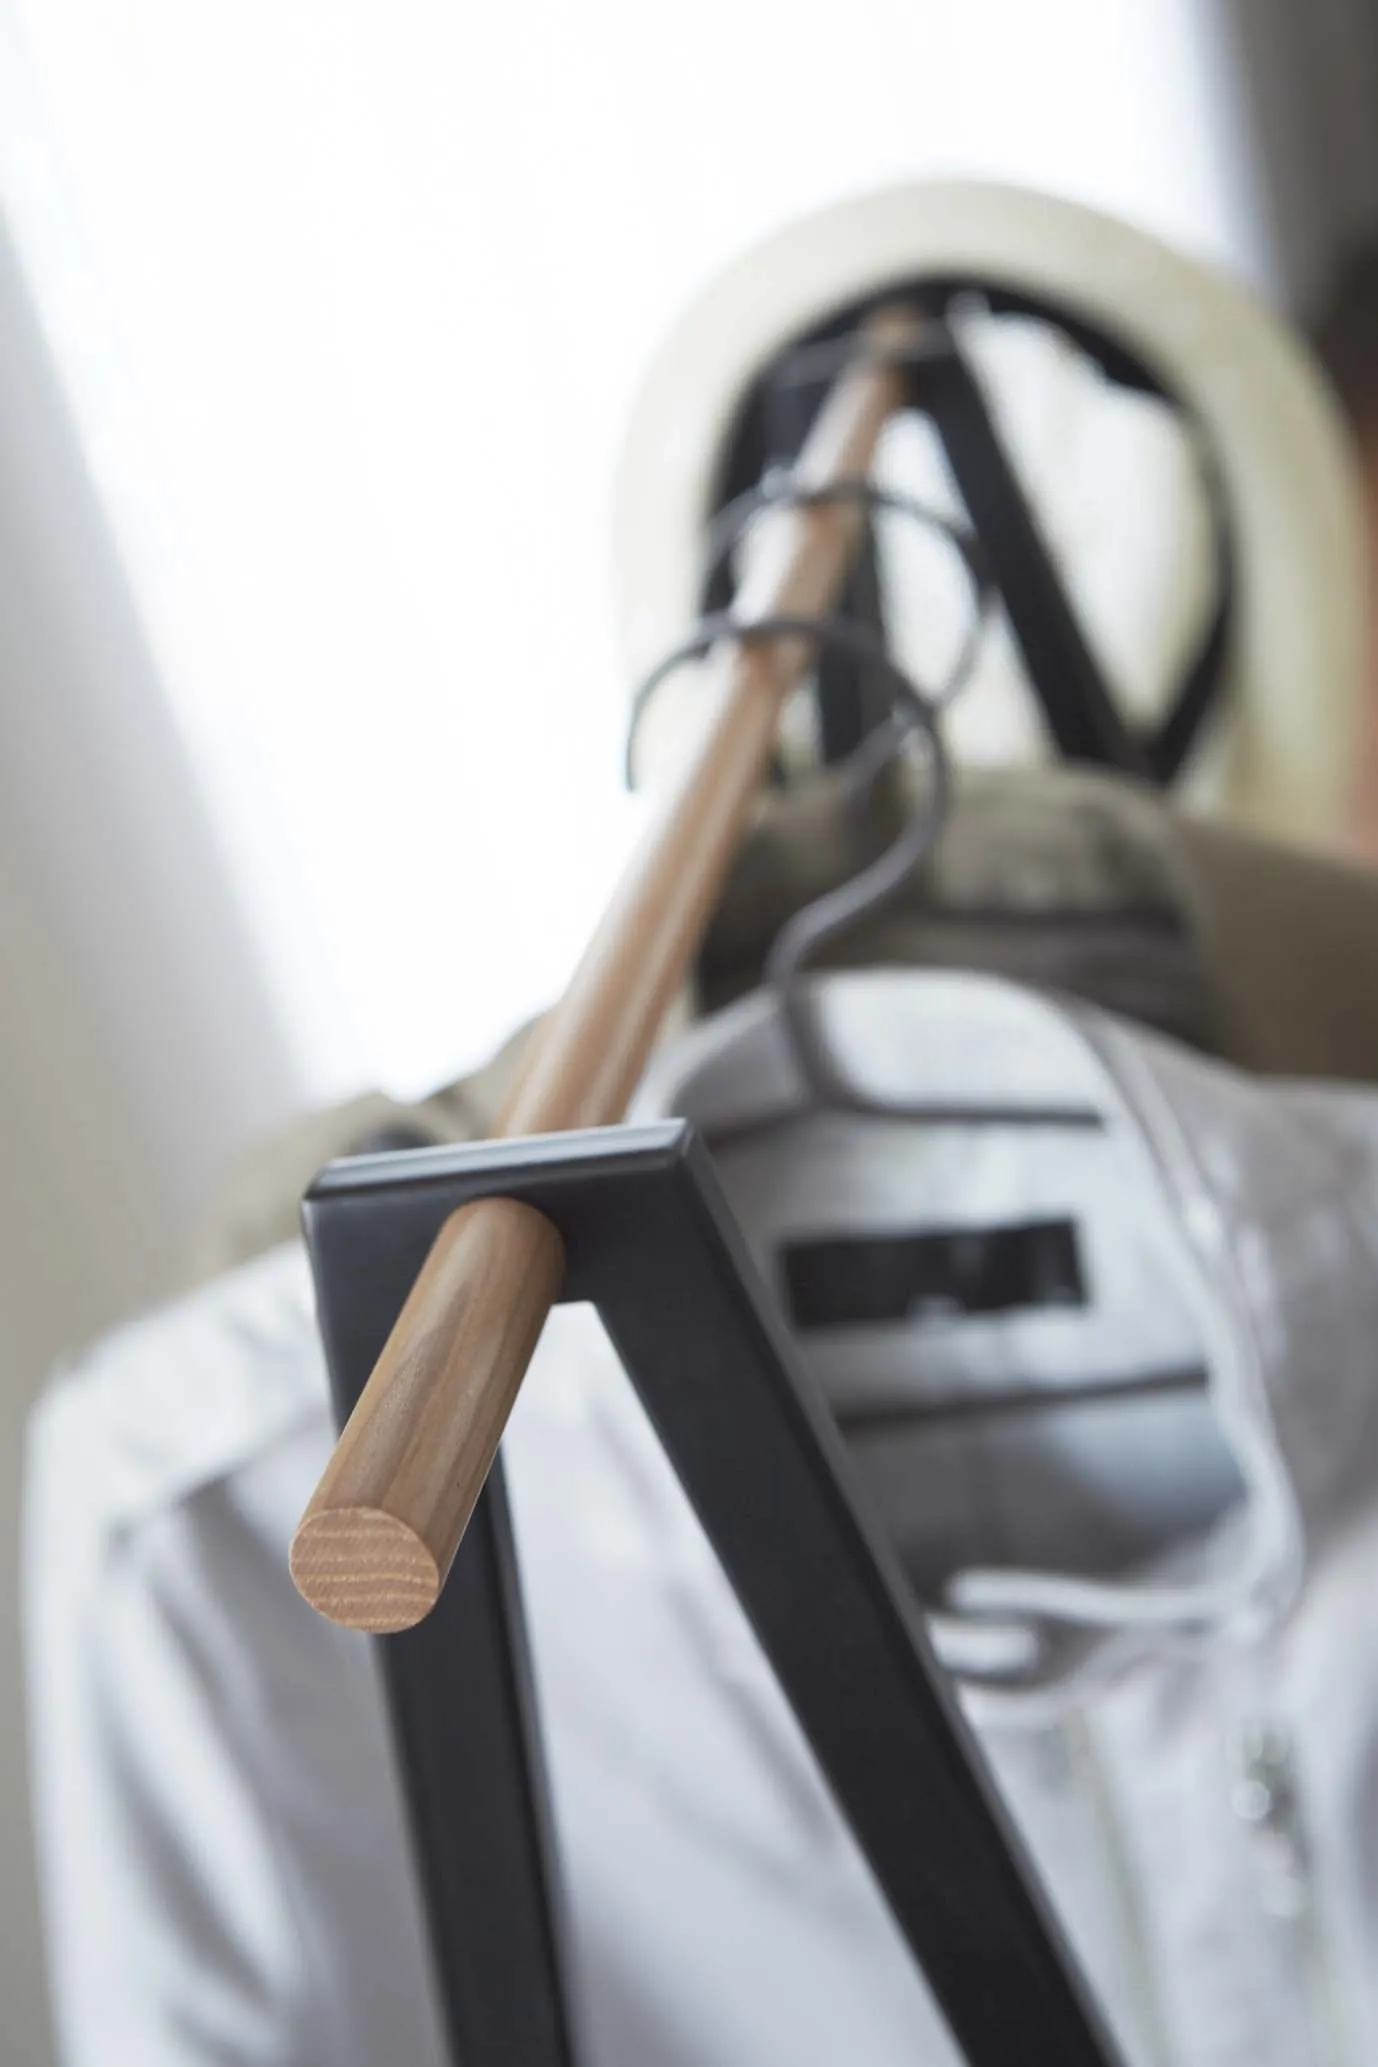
(375,1543)
(377,1540)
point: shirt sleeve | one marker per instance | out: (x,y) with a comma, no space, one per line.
(222,1851)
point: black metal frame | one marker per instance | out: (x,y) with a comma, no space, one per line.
(651,1242)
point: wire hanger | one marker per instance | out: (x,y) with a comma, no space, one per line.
(914,716)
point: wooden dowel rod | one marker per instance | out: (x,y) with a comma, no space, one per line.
(376,1541)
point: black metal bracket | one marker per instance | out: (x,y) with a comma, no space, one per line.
(651,1242)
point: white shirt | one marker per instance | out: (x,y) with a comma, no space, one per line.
(1190,1743)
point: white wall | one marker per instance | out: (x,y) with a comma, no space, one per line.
(137,1042)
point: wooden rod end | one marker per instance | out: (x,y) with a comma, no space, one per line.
(385,1521)
(364,1569)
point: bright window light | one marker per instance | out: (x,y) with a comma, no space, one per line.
(352,302)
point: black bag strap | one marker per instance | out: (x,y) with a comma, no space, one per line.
(1064,673)
(1066,677)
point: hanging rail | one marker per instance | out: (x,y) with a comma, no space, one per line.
(378,1537)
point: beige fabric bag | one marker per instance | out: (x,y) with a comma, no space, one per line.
(1111,477)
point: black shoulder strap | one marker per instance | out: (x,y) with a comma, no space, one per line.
(1077,702)
(1065,675)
